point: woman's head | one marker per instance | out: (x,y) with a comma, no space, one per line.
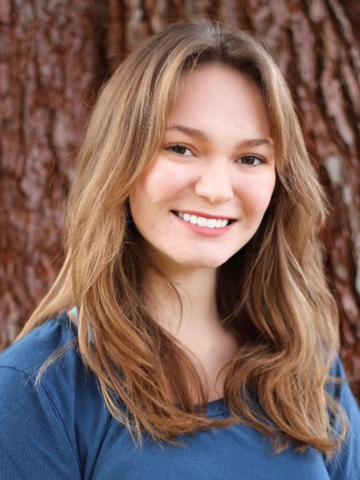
(206,190)
(128,127)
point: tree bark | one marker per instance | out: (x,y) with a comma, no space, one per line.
(54,59)
(50,69)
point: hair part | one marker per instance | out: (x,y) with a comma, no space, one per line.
(272,293)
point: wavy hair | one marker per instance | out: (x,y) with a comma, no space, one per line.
(272,294)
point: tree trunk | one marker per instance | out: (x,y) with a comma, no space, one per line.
(50,68)
(54,59)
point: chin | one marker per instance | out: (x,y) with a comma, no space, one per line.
(205,262)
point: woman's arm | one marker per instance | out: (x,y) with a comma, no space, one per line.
(34,443)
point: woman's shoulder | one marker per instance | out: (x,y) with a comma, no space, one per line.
(339,385)
(30,352)
(45,414)
(47,359)
(346,461)
(46,367)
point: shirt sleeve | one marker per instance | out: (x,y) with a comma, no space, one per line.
(345,465)
(34,443)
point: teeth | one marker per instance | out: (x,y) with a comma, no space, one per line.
(211,223)
(201,221)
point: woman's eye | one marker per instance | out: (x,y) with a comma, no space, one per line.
(180,150)
(251,160)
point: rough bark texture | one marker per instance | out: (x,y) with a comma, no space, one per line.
(54,55)
(49,68)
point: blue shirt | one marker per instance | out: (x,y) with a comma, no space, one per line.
(63,430)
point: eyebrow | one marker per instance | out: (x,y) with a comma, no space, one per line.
(195,133)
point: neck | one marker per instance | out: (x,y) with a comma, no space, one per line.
(197,327)
(197,291)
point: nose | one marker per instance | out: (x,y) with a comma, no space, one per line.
(214,182)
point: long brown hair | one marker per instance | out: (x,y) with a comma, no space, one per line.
(272,293)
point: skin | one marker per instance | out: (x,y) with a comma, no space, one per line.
(216,172)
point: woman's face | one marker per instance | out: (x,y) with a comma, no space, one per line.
(206,191)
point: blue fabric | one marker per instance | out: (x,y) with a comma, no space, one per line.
(62,429)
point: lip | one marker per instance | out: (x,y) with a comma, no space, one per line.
(209,232)
(206,215)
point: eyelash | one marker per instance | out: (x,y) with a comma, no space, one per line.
(257,157)
(170,147)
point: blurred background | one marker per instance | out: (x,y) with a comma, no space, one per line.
(54,56)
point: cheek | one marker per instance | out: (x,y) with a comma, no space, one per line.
(257,195)
(162,183)
(154,194)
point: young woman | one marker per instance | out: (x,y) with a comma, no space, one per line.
(190,333)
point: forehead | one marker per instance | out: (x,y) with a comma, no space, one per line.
(221,99)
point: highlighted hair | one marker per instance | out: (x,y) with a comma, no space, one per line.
(272,294)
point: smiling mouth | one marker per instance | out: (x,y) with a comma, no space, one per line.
(202,221)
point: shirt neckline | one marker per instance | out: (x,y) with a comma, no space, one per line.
(216,407)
